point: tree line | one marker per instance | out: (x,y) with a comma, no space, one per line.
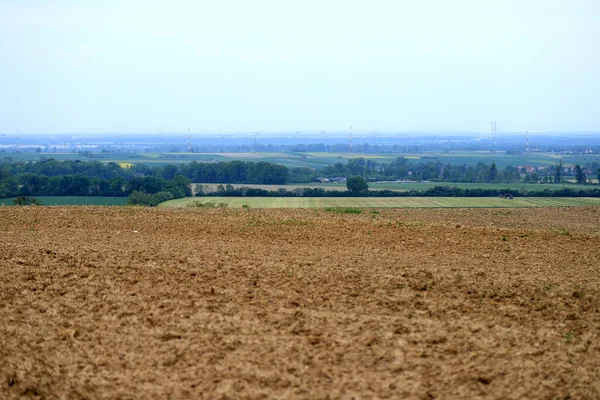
(435,171)
(76,185)
(358,187)
(93,178)
(437,191)
(219,172)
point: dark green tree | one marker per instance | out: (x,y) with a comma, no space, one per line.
(598,175)
(26,201)
(357,185)
(169,172)
(558,172)
(511,174)
(579,174)
(493,172)
(183,184)
(141,199)
(116,186)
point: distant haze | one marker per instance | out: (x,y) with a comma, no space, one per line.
(294,65)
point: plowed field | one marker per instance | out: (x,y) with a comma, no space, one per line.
(218,303)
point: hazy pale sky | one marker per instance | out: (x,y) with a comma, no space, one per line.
(293,65)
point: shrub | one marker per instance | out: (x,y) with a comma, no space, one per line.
(208,204)
(26,201)
(344,210)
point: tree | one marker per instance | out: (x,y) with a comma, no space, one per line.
(558,172)
(511,174)
(357,185)
(184,184)
(579,174)
(116,185)
(493,172)
(26,201)
(169,171)
(598,175)
(447,174)
(141,199)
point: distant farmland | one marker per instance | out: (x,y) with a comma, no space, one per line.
(320,159)
(388,202)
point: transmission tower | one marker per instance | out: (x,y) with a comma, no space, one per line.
(350,142)
(493,136)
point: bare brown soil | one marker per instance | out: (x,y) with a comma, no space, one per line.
(161,303)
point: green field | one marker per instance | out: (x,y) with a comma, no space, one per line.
(317,160)
(74,201)
(388,202)
(156,159)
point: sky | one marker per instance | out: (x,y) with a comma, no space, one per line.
(299,65)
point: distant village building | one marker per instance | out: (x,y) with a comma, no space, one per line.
(337,179)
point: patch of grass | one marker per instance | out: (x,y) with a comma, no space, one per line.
(344,210)
(208,204)
(548,287)
(579,292)
(569,337)
(502,213)
(564,231)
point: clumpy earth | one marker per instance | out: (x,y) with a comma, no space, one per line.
(131,303)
